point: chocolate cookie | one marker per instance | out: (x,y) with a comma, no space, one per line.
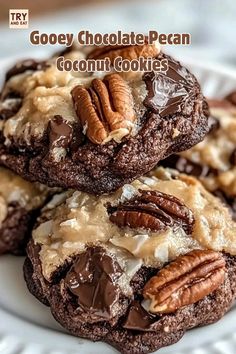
(20,202)
(135,269)
(213,160)
(96,132)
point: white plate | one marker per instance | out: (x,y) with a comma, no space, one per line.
(27,327)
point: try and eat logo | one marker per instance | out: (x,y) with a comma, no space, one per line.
(18,18)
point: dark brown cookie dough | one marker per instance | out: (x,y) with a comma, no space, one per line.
(96,138)
(20,202)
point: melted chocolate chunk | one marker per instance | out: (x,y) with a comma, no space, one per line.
(24,65)
(92,279)
(60,132)
(167,93)
(139,319)
(186,166)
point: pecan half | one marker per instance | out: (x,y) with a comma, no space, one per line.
(185,281)
(126,52)
(152,210)
(105,107)
(93,280)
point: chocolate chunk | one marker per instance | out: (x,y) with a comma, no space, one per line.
(232,158)
(92,279)
(231,97)
(24,65)
(139,319)
(60,132)
(168,93)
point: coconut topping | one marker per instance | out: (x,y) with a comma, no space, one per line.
(83,220)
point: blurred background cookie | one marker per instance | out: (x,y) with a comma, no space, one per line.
(20,202)
(213,160)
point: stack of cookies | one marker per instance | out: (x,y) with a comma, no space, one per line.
(128,199)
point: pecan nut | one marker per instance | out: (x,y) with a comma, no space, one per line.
(105,107)
(185,281)
(152,210)
(126,52)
